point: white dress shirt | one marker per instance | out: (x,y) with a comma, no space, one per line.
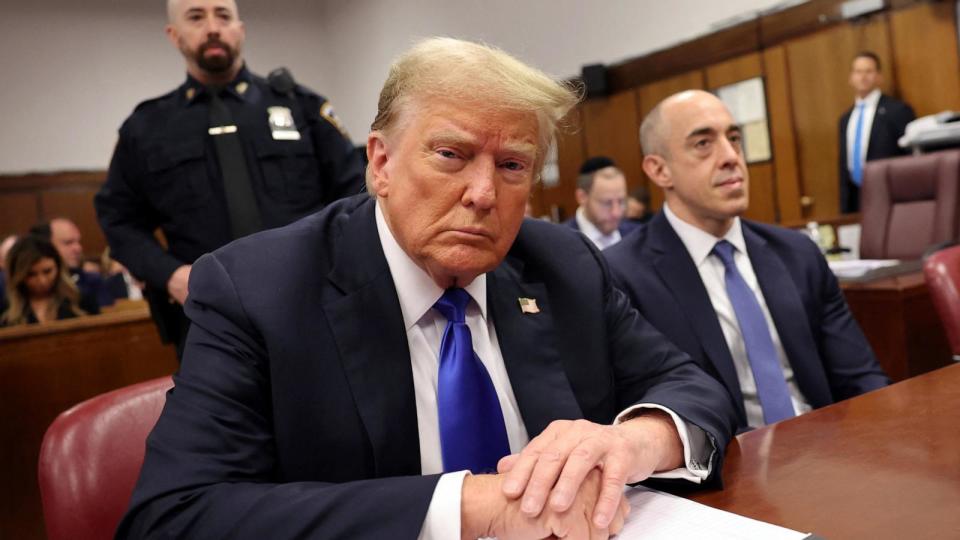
(699,244)
(424,326)
(870,102)
(602,241)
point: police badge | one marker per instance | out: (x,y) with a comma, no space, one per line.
(281,123)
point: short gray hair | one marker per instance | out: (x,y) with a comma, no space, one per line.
(651,132)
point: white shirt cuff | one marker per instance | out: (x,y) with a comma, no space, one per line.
(697,449)
(443,515)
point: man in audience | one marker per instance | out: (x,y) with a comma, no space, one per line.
(226,154)
(602,198)
(343,374)
(65,236)
(755,305)
(870,129)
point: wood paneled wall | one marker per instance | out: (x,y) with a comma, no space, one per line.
(804,54)
(26,200)
(924,42)
(819,67)
(611,129)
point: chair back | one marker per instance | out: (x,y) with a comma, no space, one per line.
(908,204)
(91,457)
(942,273)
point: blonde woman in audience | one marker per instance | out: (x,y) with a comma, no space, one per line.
(38,288)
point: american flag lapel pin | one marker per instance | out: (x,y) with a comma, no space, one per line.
(528,305)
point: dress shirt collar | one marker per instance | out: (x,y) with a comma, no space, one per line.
(593,233)
(698,242)
(871,100)
(416,291)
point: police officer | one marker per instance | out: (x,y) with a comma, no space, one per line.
(226,154)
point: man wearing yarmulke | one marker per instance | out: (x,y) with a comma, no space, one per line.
(602,196)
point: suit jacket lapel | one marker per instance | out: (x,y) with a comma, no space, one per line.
(785,305)
(369,331)
(879,121)
(676,269)
(528,342)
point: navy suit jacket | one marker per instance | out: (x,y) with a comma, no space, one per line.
(889,123)
(625,227)
(294,414)
(828,352)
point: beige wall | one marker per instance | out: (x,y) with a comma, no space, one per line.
(72,71)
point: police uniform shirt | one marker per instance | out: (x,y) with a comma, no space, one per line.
(165,172)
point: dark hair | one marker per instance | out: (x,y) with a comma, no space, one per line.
(871,55)
(589,169)
(20,259)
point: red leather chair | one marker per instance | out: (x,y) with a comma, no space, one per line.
(908,204)
(942,272)
(90,459)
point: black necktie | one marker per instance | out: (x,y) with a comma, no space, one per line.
(241,202)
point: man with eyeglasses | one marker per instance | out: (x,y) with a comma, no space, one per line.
(602,196)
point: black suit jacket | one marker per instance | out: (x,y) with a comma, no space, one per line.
(294,413)
(828,352)
(889,123)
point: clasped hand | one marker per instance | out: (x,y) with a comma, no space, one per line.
(568,481)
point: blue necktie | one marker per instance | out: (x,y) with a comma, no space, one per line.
(771,386)
(856,173)
(472,432)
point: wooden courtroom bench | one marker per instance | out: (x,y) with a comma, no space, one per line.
(45,370)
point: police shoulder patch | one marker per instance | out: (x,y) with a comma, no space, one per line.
(326,111)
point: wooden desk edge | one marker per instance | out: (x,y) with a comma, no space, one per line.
(80,323)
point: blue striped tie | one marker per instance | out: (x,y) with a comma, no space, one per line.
(472,431)
(856,173)
(764,363)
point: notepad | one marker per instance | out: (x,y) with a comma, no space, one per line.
(655,515)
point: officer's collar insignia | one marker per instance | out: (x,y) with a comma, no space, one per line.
(242,87)
(190,94)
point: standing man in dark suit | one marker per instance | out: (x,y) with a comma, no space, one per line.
(344,374)
(226,154)
(602,199)
(755,305)
(869,130)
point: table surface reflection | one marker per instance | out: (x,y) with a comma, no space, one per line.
(882,465)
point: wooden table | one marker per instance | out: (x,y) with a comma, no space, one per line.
(882,465)
(901,324)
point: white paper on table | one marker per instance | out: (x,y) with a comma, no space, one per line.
(655,515)
(859,267)
(848,236)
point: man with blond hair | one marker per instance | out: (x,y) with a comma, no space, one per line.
(226,154)
(755,305)
(422,362)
